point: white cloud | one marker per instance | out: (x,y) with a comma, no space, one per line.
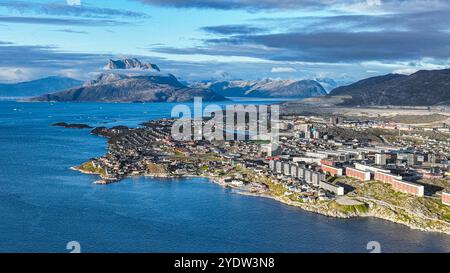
(72,73)
(282,69)
(10,74)
(405,71)
(74,2)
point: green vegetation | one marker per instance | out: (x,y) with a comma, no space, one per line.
(179,154)
(277,189)
(331,179)
(349,209)
(447,217)
(260,141)
(416,119)
(392,135)
(89,167)
(383,192)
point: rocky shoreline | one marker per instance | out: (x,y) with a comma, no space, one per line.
(380,213)
(376,210)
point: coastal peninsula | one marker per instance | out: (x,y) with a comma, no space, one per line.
(305,171)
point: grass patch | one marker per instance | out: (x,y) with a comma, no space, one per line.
(277,189)
(447,217)
(89,167)
(350,209)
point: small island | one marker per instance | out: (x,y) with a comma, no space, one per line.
(72,126)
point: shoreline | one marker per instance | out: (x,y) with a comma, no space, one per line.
(376,211)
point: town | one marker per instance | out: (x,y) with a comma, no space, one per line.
(333,165)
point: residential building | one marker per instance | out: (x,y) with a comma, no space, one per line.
(357,174)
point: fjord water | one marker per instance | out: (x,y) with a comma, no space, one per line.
(44,204)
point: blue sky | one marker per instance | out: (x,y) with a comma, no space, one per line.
(206,39)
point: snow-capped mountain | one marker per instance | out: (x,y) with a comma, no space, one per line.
(327,83)
(267,88)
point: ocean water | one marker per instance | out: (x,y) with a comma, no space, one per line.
(44,205)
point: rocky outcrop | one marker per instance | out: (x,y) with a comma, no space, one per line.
(72,126)
(130,64)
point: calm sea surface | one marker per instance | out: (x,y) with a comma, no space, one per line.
(44,205)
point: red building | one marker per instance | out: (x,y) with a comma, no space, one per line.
(332,170)
(358,174)
(432,175)
(408,187)
(387,177)
(446,198)
(326,161)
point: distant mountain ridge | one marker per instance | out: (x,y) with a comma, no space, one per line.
(423,88)
(38,87)
(327,83)
(267,88)
(154,86)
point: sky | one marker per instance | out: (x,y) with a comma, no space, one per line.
(345,40)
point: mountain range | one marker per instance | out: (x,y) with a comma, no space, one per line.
(129,80)
(267,88)
(38,87)
(423,88)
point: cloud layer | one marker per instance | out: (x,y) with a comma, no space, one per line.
(395,36)
(69,10)
(349,5)
(60,21)
(239,4)
(341,39)
(233,29)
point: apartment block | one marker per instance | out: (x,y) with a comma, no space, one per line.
(332,170)
(357,174)
(338,190)
(408,187)
(386,177)
(446,198)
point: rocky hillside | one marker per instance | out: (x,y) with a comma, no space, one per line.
(423,88)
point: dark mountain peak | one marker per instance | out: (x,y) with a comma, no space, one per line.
(425,87)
